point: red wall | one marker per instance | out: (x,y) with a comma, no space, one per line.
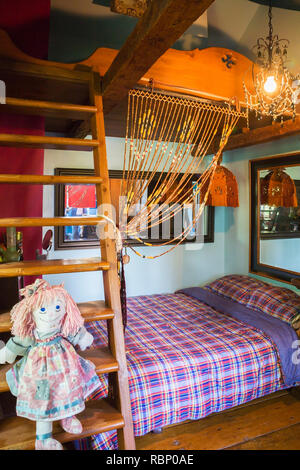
(27,23)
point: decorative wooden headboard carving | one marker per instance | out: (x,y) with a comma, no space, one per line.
(215,72)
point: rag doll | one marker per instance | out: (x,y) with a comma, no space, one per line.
(51,381)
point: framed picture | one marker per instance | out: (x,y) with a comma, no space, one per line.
(75,200)
(80,200)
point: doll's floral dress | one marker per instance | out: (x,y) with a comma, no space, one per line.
(51,381)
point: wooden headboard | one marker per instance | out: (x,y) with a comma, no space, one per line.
(214,72)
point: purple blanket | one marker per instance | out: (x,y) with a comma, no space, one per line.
(280,333)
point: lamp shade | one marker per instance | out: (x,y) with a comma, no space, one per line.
(278,189)
(223,189)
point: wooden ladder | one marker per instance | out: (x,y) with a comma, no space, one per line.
(113,412)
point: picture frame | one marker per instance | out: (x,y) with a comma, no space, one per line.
(73,204)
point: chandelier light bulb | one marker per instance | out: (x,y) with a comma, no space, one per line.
(272,76)
(270,84)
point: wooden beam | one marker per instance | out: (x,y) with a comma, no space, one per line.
(161,25)
(264,134)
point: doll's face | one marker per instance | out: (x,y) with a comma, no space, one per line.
(48,318)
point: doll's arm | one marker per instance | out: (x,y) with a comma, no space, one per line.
(6,356)
(83,339)
(13,348)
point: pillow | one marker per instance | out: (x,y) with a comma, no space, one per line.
(235,287)
(278,302)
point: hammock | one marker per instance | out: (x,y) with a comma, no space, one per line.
(169,136)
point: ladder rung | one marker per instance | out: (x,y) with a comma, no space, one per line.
(94,310)
(19,433)
(3,384)
(49,221)
(50,179)
(53,266)
(5,324)
(46,142)
(48,108)
(101,357)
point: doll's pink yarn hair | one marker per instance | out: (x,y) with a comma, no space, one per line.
(35,296)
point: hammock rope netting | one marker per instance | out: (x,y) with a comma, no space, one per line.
(167,138)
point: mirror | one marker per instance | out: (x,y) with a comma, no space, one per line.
(275,217)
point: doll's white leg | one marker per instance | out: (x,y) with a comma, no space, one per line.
(71,425)
(44,440)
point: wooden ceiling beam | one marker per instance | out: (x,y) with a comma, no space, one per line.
(162,24)
(264,134)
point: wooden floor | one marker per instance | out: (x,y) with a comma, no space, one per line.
(270,423)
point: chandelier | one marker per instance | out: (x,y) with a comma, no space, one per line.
(275,90)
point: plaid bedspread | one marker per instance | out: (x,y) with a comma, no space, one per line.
(185,361)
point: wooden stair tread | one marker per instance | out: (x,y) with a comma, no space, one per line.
(50,179)
(5,324)
(94,310)
(48,108)
(101,357)
(53,266)
(4,368)
(49,221)
(19,433)
(46,142)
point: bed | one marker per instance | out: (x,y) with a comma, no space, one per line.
(201,351)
